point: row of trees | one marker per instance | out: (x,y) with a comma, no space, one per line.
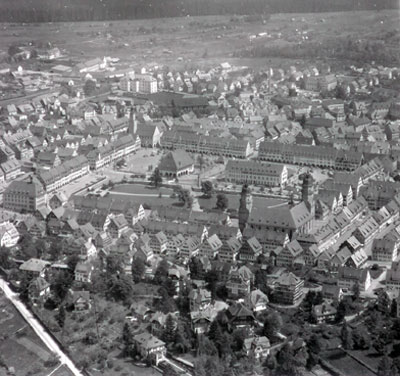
(76,10)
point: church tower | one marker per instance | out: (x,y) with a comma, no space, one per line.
(307,192)
(246,203)
(132,122)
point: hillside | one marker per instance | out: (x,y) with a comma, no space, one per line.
(92,10)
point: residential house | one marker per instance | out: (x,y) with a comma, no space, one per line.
(288,289)
(149,347)
(348,277)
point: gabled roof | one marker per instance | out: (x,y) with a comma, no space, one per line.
(175,161)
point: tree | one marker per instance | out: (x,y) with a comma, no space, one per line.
(161,273)
(243,209)
(207,188)
(61,316)
(5,259)
(13,50)
(272,325)
(222,201)
(346,337)
(89,88)
(156,178)
(393,308)
(356,292)
(381,341)
(385,366)
(138,269)
(168,335)
(120,287)
(184,197)
(60,284)
(113,264)
(383,303)
(361,338)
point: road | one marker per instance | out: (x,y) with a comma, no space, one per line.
(38,328)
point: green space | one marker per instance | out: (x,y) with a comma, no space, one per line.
(145,195)
(233,201)
(345,364)
(20,347)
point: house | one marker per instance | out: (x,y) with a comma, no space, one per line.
(83,272)
(288,254)
(39,289)
(34,267)
(250,250)
(176,163)
(149,134)
(239,316)
(58,199)
(159,243)
(288,289)
(237,286)
(9,235)
(149,347)
(393,276)
(332,292)
(257,347)
(211,247)
(348,277)
(199,299)
(257,301)
(357,259)
(324,312)
(79,300)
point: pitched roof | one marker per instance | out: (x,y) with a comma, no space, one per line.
(175,161)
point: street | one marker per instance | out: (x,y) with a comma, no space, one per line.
(38,328)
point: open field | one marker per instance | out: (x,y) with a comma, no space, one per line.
(19,346)
(144,195)
(345,364)
(181,43)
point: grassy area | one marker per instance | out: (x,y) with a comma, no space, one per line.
(346,364)
(148,198)
(203,41)
(234,199)
(142,189)
(103,325)
(19,345)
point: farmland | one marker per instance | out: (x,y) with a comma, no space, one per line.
(20,348)
(183,43)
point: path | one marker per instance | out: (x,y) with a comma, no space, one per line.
(38,328)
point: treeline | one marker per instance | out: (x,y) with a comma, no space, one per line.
(339,48)
(96,10)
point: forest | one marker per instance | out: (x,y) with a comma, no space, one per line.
(95,10)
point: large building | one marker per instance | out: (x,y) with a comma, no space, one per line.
(113,151)
(176,163)
(313,156)
(288,289)
(196,143)
(24,196)
(64,174)
(255,172)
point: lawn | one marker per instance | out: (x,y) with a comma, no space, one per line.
(142,189)
(346,364)
(19,345)
(234,200)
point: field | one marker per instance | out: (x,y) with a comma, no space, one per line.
(182,43)
(233,201)
(145,195)
(346,364)
(19,346)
